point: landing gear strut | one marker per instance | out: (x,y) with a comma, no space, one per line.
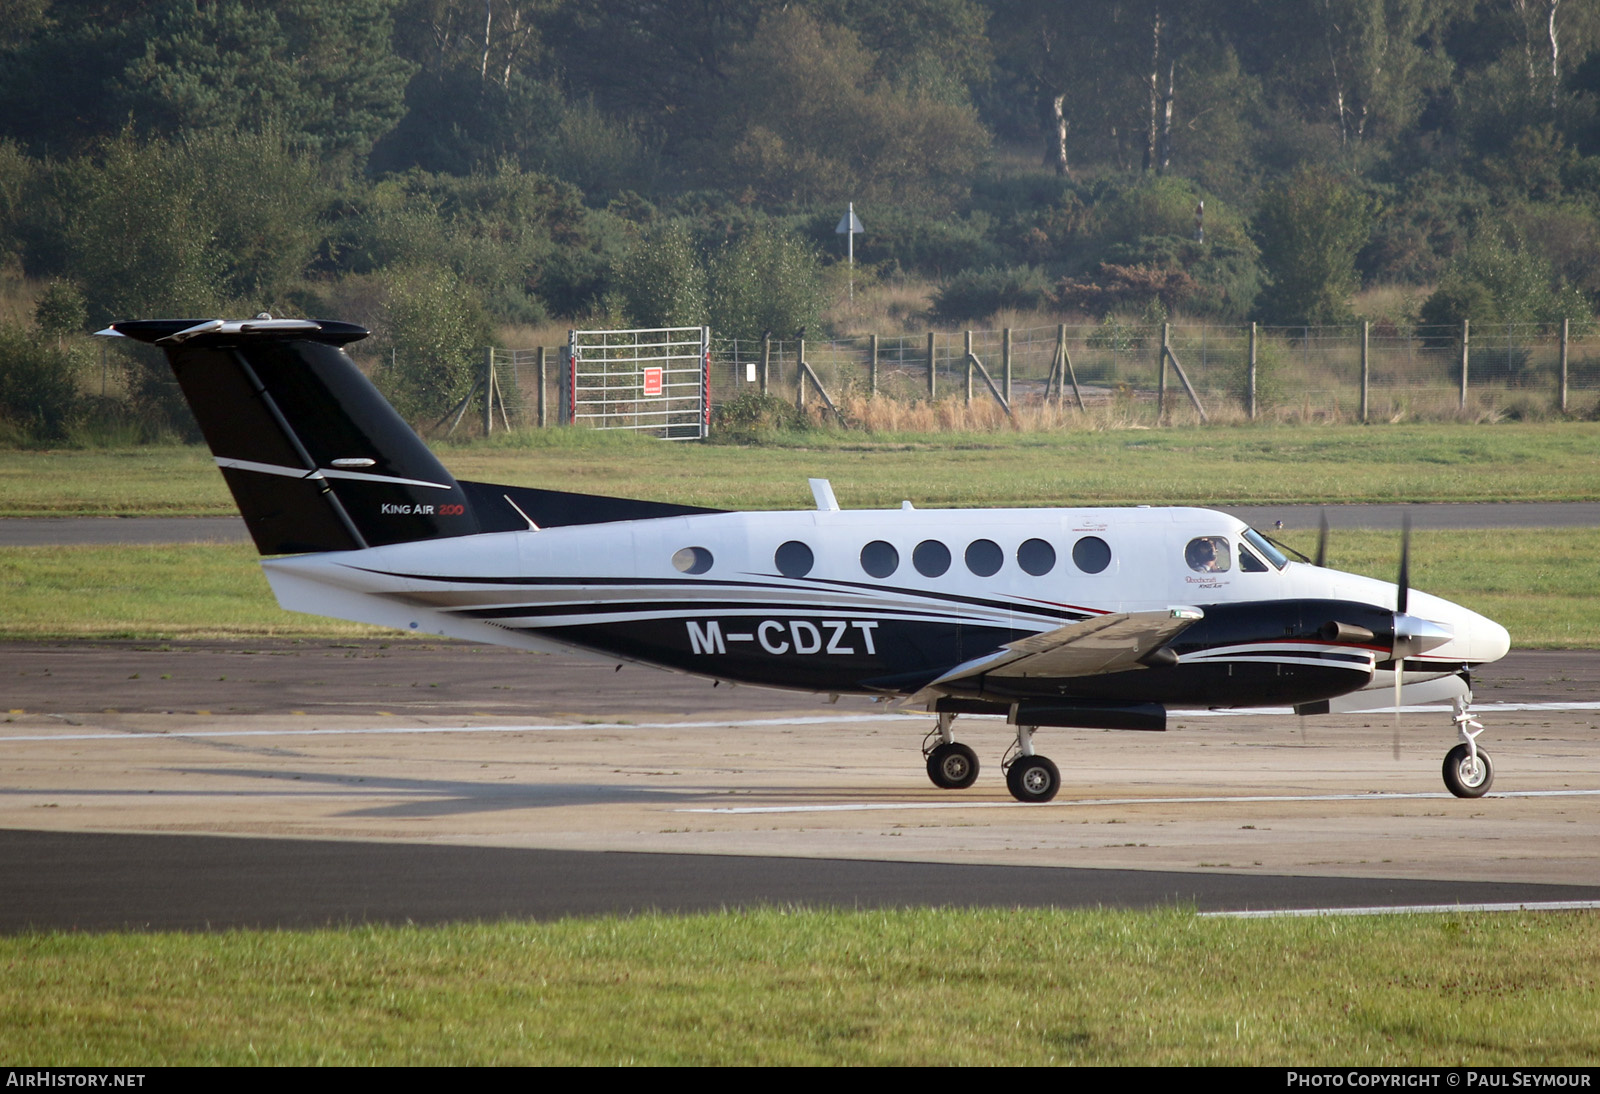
(951,765)
(1030,777)
(1468,771)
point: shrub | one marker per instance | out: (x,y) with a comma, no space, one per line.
(38,385)
(976,294)
(753,418)
(1311,227)
(60,310)
(1122,288)
(1496,280)
(1272,361)
(662,282)
(766,280)
(435,332)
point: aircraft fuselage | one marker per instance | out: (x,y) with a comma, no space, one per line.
(886,601)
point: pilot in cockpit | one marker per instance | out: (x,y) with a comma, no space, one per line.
(1203,556)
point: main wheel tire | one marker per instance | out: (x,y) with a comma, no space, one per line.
(1033,779)
(953,766)
(1462,778)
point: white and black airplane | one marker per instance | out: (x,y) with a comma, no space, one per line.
(1095,618)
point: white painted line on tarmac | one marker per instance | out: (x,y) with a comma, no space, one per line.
(862,807)
(1413,909)
(553,727)
(754,723)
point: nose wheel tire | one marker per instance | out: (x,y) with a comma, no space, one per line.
(1033,779)
(953,766)
(1463,777)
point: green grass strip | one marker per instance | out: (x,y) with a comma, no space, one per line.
(1555,461)
(931,986)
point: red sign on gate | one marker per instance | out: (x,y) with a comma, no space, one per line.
(652,381)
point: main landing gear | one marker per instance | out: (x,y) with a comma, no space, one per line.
(953,766)
(1468,772)
(1029,776)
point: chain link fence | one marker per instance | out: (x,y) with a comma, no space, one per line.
(1373,372)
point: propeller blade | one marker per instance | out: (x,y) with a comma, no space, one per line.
(1397,679)
(1322,540)
(1404,583)
(1402,597)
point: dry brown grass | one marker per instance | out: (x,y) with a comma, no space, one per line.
(1397,303)
(880,414)
(529,336)
(895,306)
(1124,408)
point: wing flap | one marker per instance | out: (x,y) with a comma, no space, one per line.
(1093,647)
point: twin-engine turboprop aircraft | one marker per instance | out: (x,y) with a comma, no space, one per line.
(1097,618)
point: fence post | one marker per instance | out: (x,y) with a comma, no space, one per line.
(873,390)
(488,390)
(1250,390)
(1068,371)
(543,419)
(1564,333)
(1366,367)
(1005,363)
(800,375)
(1183,377)
(969,368)
(766,359)
(933,383)
(1161,376)
(1466,338)
(567,409)
(1055,363)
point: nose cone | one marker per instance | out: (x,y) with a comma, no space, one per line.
(1475,639)
(1486,639)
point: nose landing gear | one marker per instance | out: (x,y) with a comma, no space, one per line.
(1468,771)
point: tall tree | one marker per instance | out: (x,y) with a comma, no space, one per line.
(806,121)
(320,71)
(1364,68)
(1311,226)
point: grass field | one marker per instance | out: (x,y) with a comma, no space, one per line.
(1557,461)
(933,986)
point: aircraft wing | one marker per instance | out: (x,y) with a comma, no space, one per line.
(1092,647)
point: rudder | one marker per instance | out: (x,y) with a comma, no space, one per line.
(316,459)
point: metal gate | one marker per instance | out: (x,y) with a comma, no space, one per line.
(657,381)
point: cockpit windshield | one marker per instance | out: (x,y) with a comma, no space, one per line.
(1255,539)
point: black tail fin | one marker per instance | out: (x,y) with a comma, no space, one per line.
(317,460)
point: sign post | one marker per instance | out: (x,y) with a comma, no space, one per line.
(850,227)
